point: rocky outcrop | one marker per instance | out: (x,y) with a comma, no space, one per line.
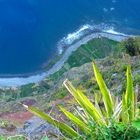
(36,128)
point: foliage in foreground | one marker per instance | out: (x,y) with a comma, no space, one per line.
(114,119)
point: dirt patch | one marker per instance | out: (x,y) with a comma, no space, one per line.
(17,117)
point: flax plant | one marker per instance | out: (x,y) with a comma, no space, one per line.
(123,111)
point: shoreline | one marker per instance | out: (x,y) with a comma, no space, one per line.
(39,76)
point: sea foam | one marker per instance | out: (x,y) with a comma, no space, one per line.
(71,37)
(112,31)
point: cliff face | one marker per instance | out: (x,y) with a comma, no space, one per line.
(112,69)
(50,92)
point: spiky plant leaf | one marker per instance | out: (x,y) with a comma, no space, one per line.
(76,120)
(129,96)
(97,101)
(117,111)
(124,114)
(84,102)
(104,90)
(65,128)
(81,114)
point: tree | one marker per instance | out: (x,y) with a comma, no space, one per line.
(132,46)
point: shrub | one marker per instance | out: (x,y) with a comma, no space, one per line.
(132,46)
(114,120)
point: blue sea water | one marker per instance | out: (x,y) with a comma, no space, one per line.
(31,29)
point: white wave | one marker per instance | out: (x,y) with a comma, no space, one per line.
(76,35)
(59,49)
(71,37)
(112,31)
(112,9)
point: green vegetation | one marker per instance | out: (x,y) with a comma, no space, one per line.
(96,48)
(132,46)
(116,119)
(18,137)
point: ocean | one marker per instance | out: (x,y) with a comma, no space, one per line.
(31,30)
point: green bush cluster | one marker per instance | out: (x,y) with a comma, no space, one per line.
(132,46)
